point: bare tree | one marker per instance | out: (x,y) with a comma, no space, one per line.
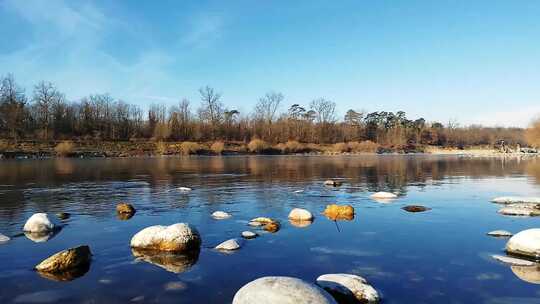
(325,110)
(45,97)
(12,106)
(267,106)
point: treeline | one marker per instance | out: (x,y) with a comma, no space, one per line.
(46,114)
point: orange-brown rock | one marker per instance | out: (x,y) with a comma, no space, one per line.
(339,212)
(125,208)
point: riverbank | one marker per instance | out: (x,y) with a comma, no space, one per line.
(83,149)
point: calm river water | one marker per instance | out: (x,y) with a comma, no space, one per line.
(439,256)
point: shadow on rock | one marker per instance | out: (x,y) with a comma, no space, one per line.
(170,261)
(68,275)
(529,274)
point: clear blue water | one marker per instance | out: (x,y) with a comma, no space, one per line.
(439,256)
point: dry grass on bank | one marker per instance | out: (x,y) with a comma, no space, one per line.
(189,147)
(257,145)
(64,148)
(217,147)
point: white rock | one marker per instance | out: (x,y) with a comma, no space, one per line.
(184,189)
(516,200)
(529,274)
(524,209)
(231,244)
(526,243)
(500,233)
(282,290)
(4,238)
(39,223)
(177,237)
(384,195)
(298,191)
(512,261)
(249,235)
(348,283)
(221,215)
(39,237)
(300,215)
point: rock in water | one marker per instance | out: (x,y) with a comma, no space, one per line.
(66,260)
(339,212)
(39,223)
(500,233)
(221,215)
(525,243)
(529,274)
(332,183)
(415,208)
(267,224)
(298,214)
(524,209)
(282,290)
(232,244)
(184,189)
(249,235)
(513,261)
(63,215)
(4,238)
(178,237)
(171,261)
(347,285)
(516,200)
(125,208)
(384,195)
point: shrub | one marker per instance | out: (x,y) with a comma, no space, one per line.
(532,134)
(365,146)
(340,147)
(64,148)
(217,147)
(257,145)
(189,147)
(4,145)
(161,148)
(292,146)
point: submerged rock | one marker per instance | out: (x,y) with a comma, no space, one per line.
(125,208)
(415,208)
(249,235)
(524,209)
(333,183)
(525,243)
(63,215)
(221,215)
(339,212)
(4,238)
(177,237)
(344,286)
(282,290)
(529,274)
(170,261)
(232,244)
(39,223)
(513,261)
(516,200)
(383,195)
(500,233)
(299,214)
(65,260)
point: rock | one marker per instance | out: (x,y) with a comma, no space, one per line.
(513,261)
(66,260)
(524,209)
(249,235)
(339,212)
(261,220)
(529,274)
(516,200)
(272,227)
(63,215)
(298,214)
(232,244)
(39,223)
(500,233)
(39,237)
(171,261)
(300,224)
(175,286)
(125,208)
(333,183)
(268,224)
(346,285)
(220,215)
(525,243)
(124,216)
(282,290)
(4,238)
(299,191)
(184,189)
(383,195)
(177,237)
(415,208)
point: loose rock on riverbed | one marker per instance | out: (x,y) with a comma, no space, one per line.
(229,245)
(339,212)
(500,233)
(66,260)
(221,215)
(4,238)
(282,290)
(348,287)
(415,208)
(525,243)
(516,200)
(178,237)
(39,223)
(298,214)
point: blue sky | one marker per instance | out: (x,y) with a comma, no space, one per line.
(468,61)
